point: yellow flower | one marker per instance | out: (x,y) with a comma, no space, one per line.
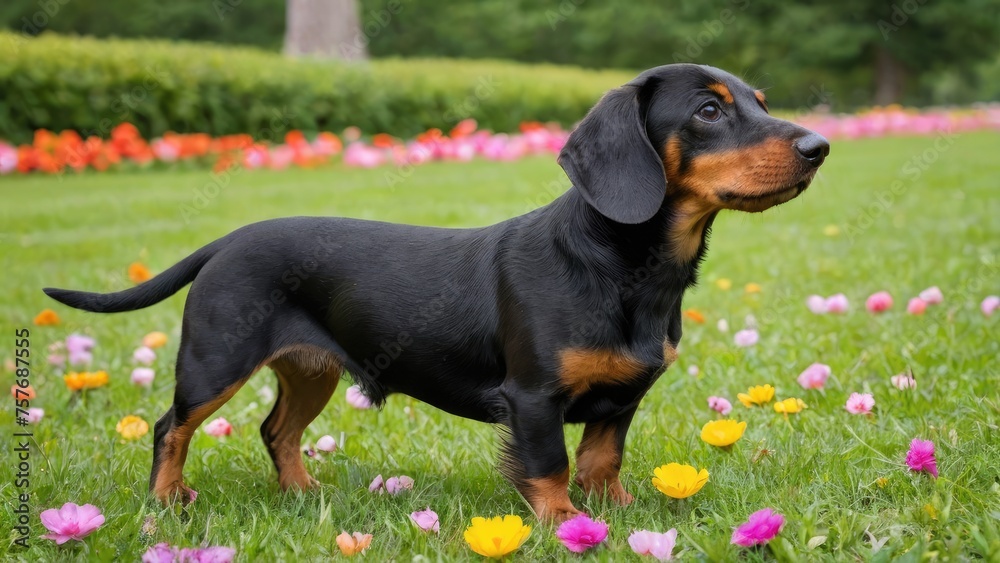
(76,381)
(724,283)
(132,427)
(154,340)
(831,230)
(752,288)
(789,406)
(882,482)
(679,481)
(757,395)
(47,317)
(353,544)
(496,536)
(723,432)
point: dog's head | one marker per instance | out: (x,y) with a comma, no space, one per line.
(695,132)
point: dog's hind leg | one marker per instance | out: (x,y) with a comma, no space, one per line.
(307,377)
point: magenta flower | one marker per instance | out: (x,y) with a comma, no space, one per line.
(921,457)
(720,404)
(34,415)
(837,303)
(746,337)
(990,304)
(71,522)
(660,546)
(219,427)
(879,302)
(144,355)
(163,553)
(581,533)
(903,381)
(932,295)
(396,485)
(426,520)
(814,376)
(916,306)
(860,403)
(760,528)
(377,484)
(143,377)
(326,444)
(816,304)
(356,398)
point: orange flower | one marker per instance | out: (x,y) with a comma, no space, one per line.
(352,545)
(47,317)
(383,141)
(695,315)
(154,340)
(76,381)
(22,392)
(752,288)
(138,273)
(464,128)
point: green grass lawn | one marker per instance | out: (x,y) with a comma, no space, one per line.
(821,468)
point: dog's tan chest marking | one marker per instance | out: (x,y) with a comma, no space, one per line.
(581,368)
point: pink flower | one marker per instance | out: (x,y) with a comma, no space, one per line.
(659,546)
(426,520)
(860,403)
(816,304)
(837,303)
(814,376)
(35,415)
(71,522)
(693,370)
(219,427)
(357,399)
(163,553)
(903,381)
(720,404)
(921,457)
(377,483)
(326,444)
(144,355)
(760,528)
(879,302)
(396,485)
(990,304)
(143,377)
(932,295)
(916,306)
(581,533)
(58,360)
(79,343)
(746,337)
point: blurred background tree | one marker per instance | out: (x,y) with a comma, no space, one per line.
(842,54)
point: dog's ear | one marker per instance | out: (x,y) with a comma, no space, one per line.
(610,159)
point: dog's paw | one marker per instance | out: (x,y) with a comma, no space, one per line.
(558,515)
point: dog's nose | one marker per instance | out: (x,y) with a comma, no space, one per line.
(813,147)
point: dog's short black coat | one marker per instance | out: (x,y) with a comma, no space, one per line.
(567,314)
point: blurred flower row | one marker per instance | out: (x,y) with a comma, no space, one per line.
(54,153)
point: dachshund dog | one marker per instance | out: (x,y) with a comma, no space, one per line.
(567,314)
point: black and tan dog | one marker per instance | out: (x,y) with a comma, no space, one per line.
(565,315)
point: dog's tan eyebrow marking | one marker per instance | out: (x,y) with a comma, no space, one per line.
(722,90)
(760,98)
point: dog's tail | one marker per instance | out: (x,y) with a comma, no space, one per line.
(143,295)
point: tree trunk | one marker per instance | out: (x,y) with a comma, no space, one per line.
(889,77)
(329,29)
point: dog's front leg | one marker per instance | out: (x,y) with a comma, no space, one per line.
(534,455)
(599,457)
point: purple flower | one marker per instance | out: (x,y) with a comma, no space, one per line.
(921,457)
(396,485)
(143,377)
(746,337)
(71,522)
(34,415)
(816,304)
(326,444)
(356,398)
(163,553)
(76,343)
(760,528)
(377,483)
(814,376)
(837,303)
(581,533)
(427,520)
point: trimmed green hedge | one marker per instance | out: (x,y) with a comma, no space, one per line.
(60,82)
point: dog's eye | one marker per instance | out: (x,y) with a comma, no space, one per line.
(710,112)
